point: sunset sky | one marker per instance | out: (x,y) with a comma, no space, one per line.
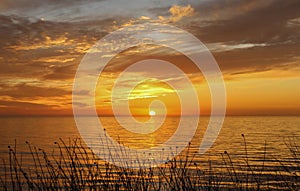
(255,43)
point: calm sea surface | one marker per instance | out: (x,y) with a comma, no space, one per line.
(271,132)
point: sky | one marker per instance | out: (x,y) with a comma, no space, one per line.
(255,43)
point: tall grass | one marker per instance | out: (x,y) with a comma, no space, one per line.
(72,166)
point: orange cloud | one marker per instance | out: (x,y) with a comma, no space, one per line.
(178,12)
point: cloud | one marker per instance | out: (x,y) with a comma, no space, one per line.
(52,50)
(20,104)
(42,49)
(249,35)
(258,58)
(222,47)
(80,10)
(23,90)
(44,41)
(261,24)
(178,12)
(28,108)
(61,72)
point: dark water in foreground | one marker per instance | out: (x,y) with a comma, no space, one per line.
(271,133)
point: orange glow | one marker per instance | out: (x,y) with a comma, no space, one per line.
(145,93)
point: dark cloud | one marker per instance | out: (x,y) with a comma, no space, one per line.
(27,108)
(36,9)
(79,10)
(61,73)
(258,58)
(24,90)
(263,24)
(238,23)
(21,104)
(79,104)
(33,4)
(44,49)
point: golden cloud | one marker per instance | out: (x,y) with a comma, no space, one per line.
(178,12)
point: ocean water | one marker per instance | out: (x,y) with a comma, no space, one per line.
(275,131)
(271,134)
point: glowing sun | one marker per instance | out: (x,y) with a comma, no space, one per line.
(152,113)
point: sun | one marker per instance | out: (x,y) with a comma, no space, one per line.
(152,113)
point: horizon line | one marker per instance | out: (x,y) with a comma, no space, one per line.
(86,115)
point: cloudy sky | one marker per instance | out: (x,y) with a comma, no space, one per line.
(255,43)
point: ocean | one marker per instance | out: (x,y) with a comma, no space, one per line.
(265,140)
(275,131)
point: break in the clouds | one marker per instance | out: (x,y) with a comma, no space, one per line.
(44,41)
